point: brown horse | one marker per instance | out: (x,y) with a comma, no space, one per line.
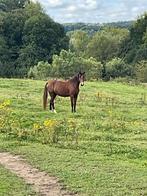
(68,88)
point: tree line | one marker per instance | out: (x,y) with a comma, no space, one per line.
(27,35)
(91,28)
(33,45)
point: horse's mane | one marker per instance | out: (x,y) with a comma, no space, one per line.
(74,78)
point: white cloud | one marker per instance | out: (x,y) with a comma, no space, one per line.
(71,8)
(54,3)
(69,16)
(91,3)
(94,10)
(135,9)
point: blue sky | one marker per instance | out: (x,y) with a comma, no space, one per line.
(94,11)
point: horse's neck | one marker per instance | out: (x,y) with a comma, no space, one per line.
(75,81)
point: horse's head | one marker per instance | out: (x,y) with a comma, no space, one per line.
(81,77)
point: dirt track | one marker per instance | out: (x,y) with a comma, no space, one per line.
(41,182)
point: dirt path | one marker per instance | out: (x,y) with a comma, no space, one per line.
(42,183)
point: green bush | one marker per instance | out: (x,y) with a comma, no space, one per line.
(40,71)
(67,64)
(117,68)
(141,71)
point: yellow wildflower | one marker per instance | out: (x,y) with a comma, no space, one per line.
(49,123)
(5,104)
(36,126)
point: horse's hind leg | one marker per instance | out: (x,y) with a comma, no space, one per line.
(52,105)
(50,102)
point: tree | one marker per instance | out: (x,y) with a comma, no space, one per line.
(134,47)
(78,42)
(40,71)
(104,44)
(42,38)
(9,5)
(140,71)
(117,68)
(28,35)
(68,63)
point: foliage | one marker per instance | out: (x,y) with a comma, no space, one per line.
(9,5)
(40,71)
(104,44)
(78,42)
(117,68)
(141,71)
(27,35)
(92,28)
(134,47)
(67,64)
(87,27)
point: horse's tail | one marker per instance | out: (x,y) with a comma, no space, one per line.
(45,96)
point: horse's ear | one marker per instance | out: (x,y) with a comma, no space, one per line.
(83,73)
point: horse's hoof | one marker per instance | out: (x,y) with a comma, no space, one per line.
(54,111)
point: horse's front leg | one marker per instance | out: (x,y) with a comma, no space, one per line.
(75,101)
(72,103)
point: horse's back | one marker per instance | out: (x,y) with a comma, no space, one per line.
(58,87)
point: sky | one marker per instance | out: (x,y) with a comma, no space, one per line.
(93,11)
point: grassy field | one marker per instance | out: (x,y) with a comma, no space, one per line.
(10,185)
(109,157)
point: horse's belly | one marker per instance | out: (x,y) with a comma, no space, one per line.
(62,93)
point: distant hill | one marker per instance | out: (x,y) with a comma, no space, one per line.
(93,27)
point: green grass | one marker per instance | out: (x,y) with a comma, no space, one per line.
(110,158)
(10,185)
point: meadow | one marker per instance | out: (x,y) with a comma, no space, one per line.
(100,150)
(11,185)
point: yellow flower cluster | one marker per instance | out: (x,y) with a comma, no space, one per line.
(36,126)
(49,123)
(5,104)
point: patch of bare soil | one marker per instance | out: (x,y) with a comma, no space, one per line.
(42,183)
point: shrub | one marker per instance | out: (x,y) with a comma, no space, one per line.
(40,71)
(117,68)
(141,71)
(67,64)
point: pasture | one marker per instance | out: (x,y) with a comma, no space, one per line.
(11,185)
(104,149)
